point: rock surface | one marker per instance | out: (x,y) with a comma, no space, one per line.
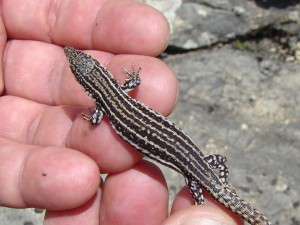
(233,105)
(201,23)
(238,66)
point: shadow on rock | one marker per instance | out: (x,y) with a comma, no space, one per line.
(276,3)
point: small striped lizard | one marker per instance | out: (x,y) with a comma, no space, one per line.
(156,136)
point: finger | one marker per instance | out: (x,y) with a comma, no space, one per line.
(85,214)
(28,122)
(137,196)
(201,214)
(106,25)
(121,21)
(183,200)
(213,209)
(42,74)
(51,177)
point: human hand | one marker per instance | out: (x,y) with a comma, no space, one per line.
(49,157)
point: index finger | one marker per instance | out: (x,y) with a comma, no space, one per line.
(95,24)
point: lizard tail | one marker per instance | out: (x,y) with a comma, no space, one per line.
(231,200)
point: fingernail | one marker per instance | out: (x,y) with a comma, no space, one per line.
(202,221)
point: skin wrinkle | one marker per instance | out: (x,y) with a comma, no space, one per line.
(93,27)
(3,38)
(54,82)
(52,15)
(33,127)
(21,173)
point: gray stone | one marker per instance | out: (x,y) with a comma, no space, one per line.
(10,216)
(269,68)
(227,108)
(199,23)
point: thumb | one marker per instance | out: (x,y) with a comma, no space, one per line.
(201,215)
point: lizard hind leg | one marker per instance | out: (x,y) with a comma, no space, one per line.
(219,162)
(195,190)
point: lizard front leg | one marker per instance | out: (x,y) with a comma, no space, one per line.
(96,116)
(132,79)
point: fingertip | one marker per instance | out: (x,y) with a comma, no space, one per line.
(159,85)
(213,211)
(182,200)
(201,214)
(137,196)
(130,27)
(87,213)
(58,179)
(160,79)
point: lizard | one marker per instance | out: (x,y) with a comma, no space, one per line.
(156,136)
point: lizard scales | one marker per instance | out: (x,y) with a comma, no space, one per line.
(156,136)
